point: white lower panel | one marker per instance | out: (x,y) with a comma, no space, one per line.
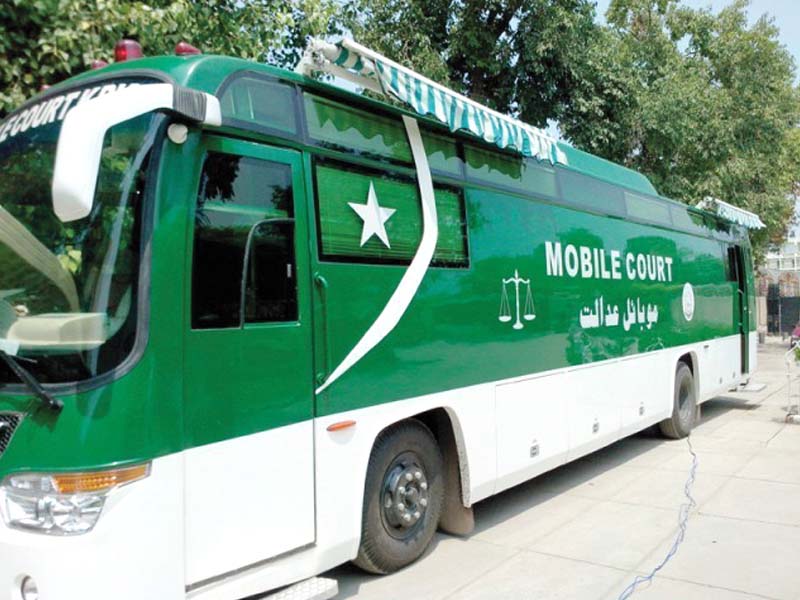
(532,428)
(718,365)
(248,499)
(594,410)
(134,552)
(574,411)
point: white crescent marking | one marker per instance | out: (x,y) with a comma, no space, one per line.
(407,288)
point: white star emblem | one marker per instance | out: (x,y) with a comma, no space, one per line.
(374,217)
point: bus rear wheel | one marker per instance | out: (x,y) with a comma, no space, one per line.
(684,409)
(402,498)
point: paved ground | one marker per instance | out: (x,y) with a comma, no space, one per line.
(584,531)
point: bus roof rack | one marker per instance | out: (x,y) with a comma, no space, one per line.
(370,70)
(731,213)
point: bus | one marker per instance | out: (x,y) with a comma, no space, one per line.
(254,325)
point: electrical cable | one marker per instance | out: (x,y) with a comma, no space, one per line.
(683,518)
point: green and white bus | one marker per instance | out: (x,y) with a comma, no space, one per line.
(253,325)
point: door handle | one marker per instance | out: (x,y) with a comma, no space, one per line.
(322,285)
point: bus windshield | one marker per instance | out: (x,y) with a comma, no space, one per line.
(69,290)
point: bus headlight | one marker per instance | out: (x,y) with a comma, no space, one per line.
(62,503)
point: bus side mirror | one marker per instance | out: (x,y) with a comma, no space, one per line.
(80,142)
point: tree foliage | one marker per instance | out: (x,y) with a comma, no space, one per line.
(518,56)
(45,41)
(700,102)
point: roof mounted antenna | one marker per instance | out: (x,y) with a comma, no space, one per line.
(370,70)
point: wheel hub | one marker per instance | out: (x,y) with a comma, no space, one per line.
(685,406)
(405,495)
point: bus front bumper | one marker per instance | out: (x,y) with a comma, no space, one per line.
(135,550)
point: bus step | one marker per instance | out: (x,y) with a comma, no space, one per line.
(315,588)
(751,386)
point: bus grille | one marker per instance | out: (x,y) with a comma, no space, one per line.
(8,424)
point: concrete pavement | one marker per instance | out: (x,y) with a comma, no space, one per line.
(585,530)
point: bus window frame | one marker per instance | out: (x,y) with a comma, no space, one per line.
(517,191)
(217,141)
(256,126)
(344,150)
(408,178)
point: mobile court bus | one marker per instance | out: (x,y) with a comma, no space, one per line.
(254,326)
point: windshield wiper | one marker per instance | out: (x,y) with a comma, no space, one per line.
(33,384)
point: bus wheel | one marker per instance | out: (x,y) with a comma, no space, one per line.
(684,408)
(402,498)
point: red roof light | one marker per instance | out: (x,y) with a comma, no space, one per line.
(186,49)
(99,64)
(127,50)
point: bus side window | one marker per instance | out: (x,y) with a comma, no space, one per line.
(732,267)
(244,208)
(267,103)
(589,192)
(525,175)
(345,128)
(647,209)
(340,185)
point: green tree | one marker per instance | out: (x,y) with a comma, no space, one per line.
(45,41)
(700,102)
(518,56)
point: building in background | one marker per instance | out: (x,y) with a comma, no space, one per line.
(779,285)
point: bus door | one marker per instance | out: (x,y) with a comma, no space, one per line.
(738,273)
(249,479)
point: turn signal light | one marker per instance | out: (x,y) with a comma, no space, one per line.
(78,483)
(127,50)
(341,425)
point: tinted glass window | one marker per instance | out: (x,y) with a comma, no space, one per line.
(526,175)
(681,217)
(732,264)
(268,103)
(237,196)
(271,284)
(591,193)
(345,193)
(442,153)
(648,209)
(345,128)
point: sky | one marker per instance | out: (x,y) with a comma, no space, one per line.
(785,12)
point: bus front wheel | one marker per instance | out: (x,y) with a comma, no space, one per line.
(684,406)
(402,498)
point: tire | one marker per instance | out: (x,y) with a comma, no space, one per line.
(684,407)
(406,469)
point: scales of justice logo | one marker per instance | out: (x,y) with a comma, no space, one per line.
(527,313)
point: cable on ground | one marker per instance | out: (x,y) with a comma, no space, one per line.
(683,518)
